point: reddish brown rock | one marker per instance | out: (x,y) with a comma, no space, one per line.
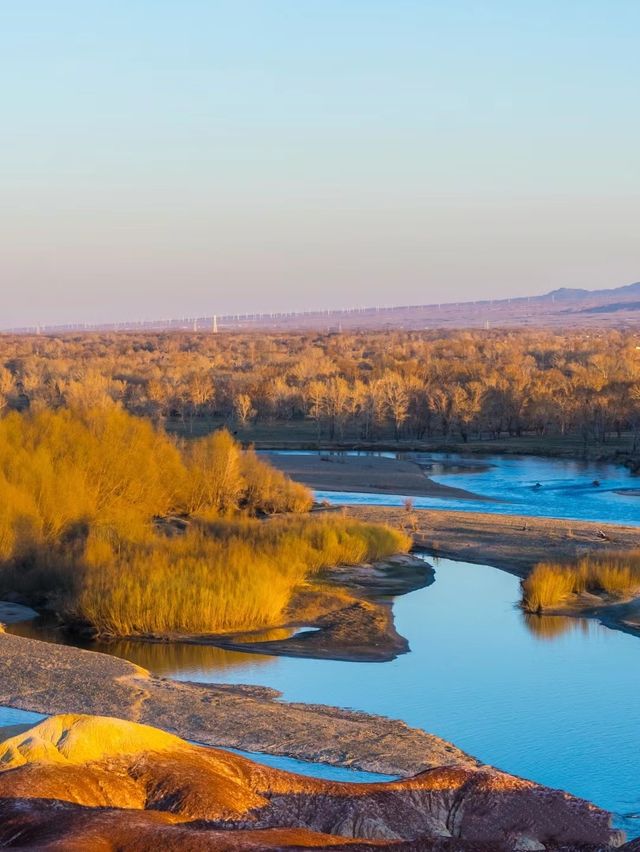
(92,782)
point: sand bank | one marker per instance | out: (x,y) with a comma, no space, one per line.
(367,475)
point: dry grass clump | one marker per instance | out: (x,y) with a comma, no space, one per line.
(325,539)
(548,585)
(552,584)
(238,576)
(79,493)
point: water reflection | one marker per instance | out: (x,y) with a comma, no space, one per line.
(550,627)
(164,658)
(161,658)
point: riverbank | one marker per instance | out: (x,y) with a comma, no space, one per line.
(365,474)
(516,544)
(344,613)
(303,435)
(614,613)
(511,542)
(46,678)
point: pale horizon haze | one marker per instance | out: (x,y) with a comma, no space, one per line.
(168,159)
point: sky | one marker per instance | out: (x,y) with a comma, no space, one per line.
(171,158)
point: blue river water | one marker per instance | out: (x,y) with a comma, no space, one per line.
(552,699)
(522,485)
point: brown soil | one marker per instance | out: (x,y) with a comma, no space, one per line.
(349,612)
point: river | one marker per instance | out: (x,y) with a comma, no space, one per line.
(520,485)
(550,699)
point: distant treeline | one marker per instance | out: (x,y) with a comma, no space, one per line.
(414,385)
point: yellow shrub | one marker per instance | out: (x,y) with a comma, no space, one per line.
(230,577)
(547,586)
(550,585)
(80,491)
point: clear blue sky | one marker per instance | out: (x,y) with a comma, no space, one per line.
(180,157)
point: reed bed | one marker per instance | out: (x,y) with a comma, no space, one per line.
(553,584)
(241,578)
(64,471)
(82,494)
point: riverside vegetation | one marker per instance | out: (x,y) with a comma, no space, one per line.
(118,526)
(553,584)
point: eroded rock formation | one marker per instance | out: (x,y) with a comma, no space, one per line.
(86,782)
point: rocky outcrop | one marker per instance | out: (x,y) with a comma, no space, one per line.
(106,783)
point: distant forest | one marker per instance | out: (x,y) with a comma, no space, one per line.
(375,386)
